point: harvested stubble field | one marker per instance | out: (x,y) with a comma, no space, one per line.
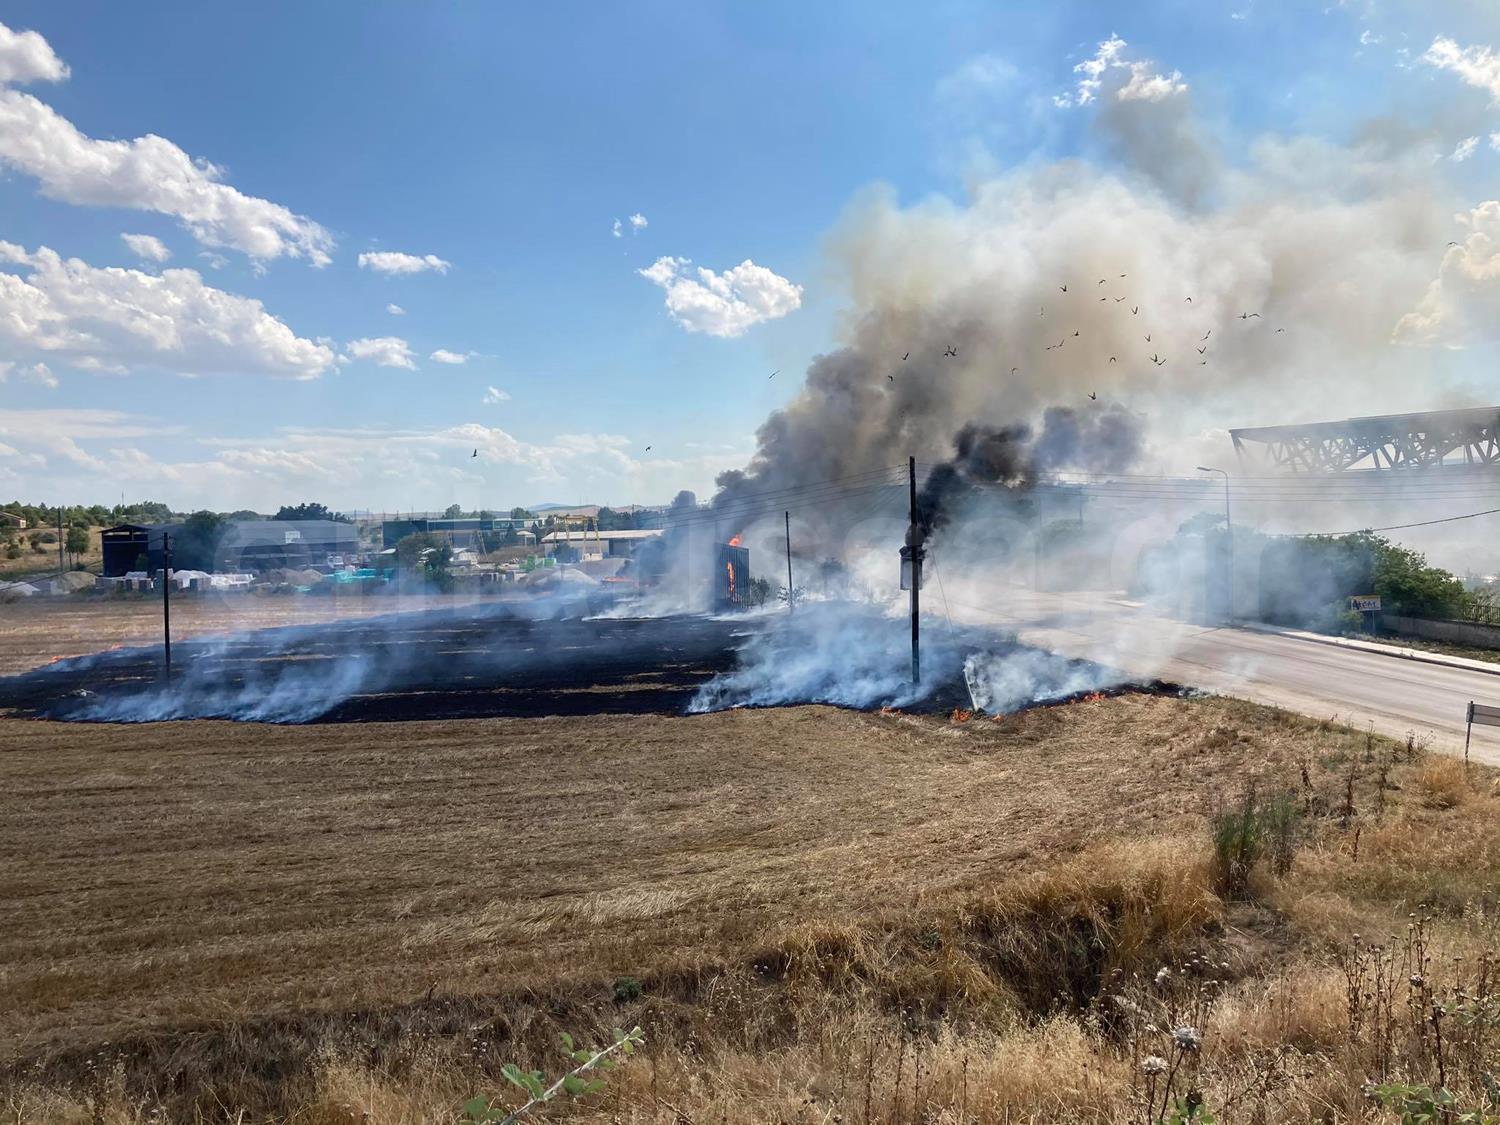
(816,915)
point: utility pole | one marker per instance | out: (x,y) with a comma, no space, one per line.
(912,555)
(791,595)
(166,603)
(62,564)
(1229,531)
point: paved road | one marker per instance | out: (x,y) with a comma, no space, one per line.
(1320,680)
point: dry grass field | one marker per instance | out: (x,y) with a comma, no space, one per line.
(816,916)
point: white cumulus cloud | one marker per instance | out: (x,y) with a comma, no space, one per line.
(619,229)
(443,355)
(1478,66)
(146,247)
(117,319)
(1464,149)
(395,310)
(1457,308)
(1142,83)
(385,351)
(393,263)
(149,173)
(638,221)
(724,304)
(35,372)
(493,396)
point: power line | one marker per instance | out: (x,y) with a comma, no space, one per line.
(1396,526)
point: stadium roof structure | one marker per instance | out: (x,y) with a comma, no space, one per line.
(1389,441)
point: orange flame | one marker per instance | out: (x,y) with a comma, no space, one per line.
(1093,697)
(889,711)
(734,540)
(961,716)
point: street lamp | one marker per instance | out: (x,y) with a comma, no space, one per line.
(1228,530)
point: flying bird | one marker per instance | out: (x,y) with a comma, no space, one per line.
(1134,309)
(1452,244)
(1281,329)
(1093,397)
(903,358)
(892,378)
(1101,281)
(1247,316)
(1118,300)
(1202,350)
(1207,334)
(1064,288)
(648,449)
(951,350)
(1189,300)
(1148,337)
(1075,333)
(1013,370)
(1156,359)
(776,373)
(1112,359)
(474,455)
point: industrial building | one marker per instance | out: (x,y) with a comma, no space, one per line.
(244,546)
(460,533)
(604,544)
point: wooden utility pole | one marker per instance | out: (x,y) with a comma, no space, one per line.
(791,595)
(915,554)
(62,564)
(166,603)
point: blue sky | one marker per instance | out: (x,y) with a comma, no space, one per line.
(502,142)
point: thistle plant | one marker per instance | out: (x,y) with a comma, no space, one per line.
(484,1111)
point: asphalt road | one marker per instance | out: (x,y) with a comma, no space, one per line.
(1397,695)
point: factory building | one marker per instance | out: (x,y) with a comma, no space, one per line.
(244,546)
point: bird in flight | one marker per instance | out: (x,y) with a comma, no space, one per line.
(1134,309)
(1247,316)
(952,351)
(1064,288)
(903,358)
(1281,329)
(1156,359)
(1189,300)
(1013,370)
(1075,333)
(1112,359)
(892,378)
(1101,281)
(1452,244)
(474,455)
(1118,300)
(1202,350)
(776,373)
(648,449)
(1207,334)
(1093,397)
(1148,337)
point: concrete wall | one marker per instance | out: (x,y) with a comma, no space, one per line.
(1455,632)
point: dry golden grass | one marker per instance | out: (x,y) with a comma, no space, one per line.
(833,916)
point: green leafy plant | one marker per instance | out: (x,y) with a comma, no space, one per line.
(1419,1105)
(627,989)
(573,1084)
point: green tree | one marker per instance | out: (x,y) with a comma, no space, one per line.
(77,541)
(520,514)
(196,542)
(426,555)
(453,512)
(309,511)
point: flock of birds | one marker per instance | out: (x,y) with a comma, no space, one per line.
(1156,359)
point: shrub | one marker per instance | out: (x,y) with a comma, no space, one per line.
(1269,829)
(1442,783)
(627,989)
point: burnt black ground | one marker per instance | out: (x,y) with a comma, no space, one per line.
(419,666)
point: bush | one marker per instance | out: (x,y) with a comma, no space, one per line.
(1258,829)
(1442,783)
(627,989)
